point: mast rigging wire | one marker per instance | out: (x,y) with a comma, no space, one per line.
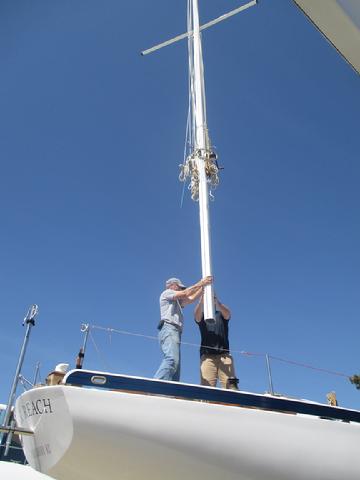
(101,357)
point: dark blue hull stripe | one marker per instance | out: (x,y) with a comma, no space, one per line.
(195,392)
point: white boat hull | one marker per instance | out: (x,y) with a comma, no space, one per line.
(87,434)
(14,471)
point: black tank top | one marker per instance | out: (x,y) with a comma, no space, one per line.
(214,335)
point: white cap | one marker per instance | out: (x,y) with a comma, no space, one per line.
(61,367)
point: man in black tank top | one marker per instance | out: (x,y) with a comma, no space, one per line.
(216,363)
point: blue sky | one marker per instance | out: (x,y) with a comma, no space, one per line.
(91,136)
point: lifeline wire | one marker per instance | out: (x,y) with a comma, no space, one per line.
(240,352)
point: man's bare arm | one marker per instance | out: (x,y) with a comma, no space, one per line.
(225,311)
(183,294)
(194,296)
(198,312)
(199,309)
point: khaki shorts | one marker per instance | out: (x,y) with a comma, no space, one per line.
(216,367)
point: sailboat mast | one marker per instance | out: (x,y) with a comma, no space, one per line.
(200,166)
(201,145)
(201,163)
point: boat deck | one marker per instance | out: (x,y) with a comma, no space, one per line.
(145,386)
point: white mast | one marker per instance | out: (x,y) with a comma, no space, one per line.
(200,165)
(201,147)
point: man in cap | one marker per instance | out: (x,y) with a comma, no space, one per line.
(172,301)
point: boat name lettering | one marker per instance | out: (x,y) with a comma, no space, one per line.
(37,407)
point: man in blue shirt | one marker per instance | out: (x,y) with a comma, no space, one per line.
(172,301)
(216,363)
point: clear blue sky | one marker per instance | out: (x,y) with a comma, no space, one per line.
(91,136)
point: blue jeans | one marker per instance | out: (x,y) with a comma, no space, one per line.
(169,338)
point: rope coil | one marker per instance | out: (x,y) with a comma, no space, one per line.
(193,156)
(189,169)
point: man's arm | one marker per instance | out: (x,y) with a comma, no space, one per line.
(189,291)
(198,312)
(199,309)
(223,309)
(194,296)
